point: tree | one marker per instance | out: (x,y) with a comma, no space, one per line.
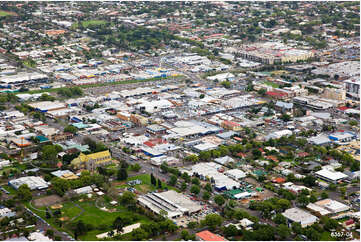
(184,234)
(208,187)
(285,117)
(309,181)
(219,200)
(49,153)
(118,224)
(283,231)
(173,180)
(195,181)
(195,189)
(313,198)
(303,200)
(60,186)
(212,221)
(192,158)
(206,195)
(201,96)
(128,199)
(226,84)
(324,195)
(262,91)
(284,203)
(329,224)
(23,193)
(153,180)
(184,186)
(279,219)
(353,122)
(79,229)
(71,129)
(49,233)
(122,174)
(136,167)
(296,228)
(91,143)
(160,184)
(230,230)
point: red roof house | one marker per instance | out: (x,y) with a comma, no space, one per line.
(209,236)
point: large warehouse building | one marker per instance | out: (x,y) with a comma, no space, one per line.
(173,203)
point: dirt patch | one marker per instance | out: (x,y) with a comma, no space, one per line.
(47,201)
(56,206)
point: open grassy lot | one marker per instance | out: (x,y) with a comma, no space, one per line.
(146,185)
(89,213)
(89,22)
(272,84)
(6,13)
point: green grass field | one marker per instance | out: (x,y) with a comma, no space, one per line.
(272,84)
(6,13)
(101,220)
(89,22)
(146,185)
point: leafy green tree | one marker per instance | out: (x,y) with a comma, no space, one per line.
(283,231)
(262,91)
(79,229)
(122,174)
(206,195)
(213,221)
(160,184)
(71,129)
(128,199)
(136,167)
(324,195)
(309,181)
(279,219)
(219,200)
(118,224)
(195,181)
(153,180)
(60,186)
(183,186)
(208,187)
(285,117)
(230,230)
(173,180)
(195,189)
(23,193)
(303,200)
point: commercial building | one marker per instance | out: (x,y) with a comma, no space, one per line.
(299,216)
(23,79)
(46,106)
(33,182)
(342,136)
(210,170)
(173,203)
(92,161)
(327,207)
(235,174)
(274,53)
(335,94)
(330,176)
(279,134)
